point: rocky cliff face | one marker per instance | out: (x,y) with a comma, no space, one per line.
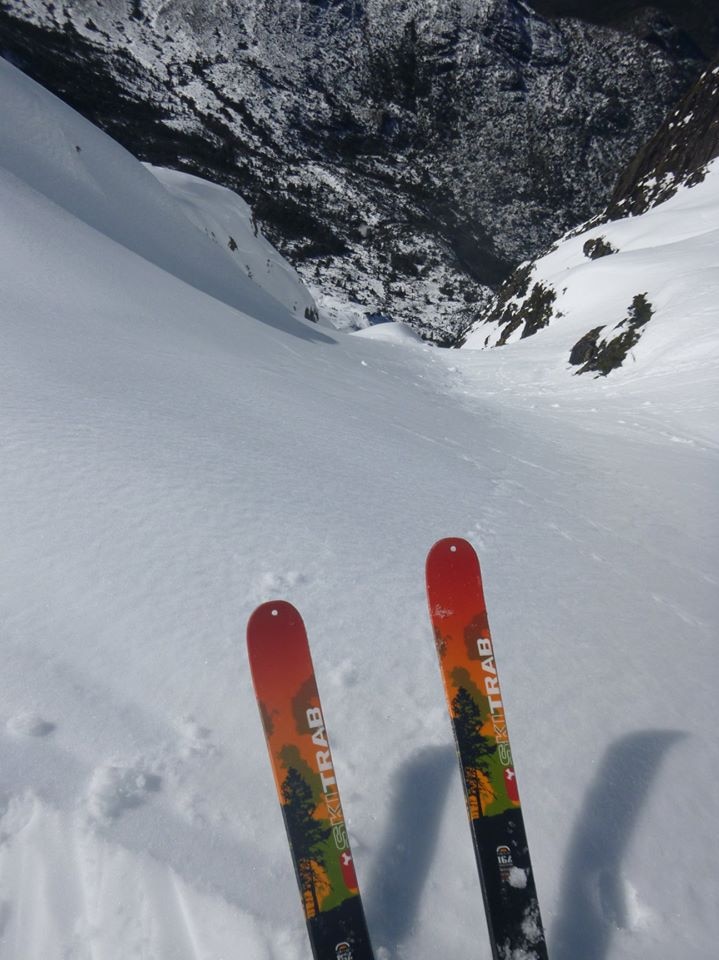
(404,154)
(677,153)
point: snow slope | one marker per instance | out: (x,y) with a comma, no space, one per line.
(227,220)
(670,256)
(56,152)
(170,460)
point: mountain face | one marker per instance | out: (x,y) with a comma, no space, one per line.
(644,269)
(697,20)
(404,155)
(677,153)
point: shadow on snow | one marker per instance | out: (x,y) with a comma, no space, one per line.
(593,895)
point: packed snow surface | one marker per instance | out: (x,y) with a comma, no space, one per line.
(178,446)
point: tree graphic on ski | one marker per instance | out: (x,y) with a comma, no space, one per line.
(475,749)
(307,836)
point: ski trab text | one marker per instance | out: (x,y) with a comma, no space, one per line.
(494,698)
(323,758)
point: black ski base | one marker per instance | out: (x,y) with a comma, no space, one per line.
(508,888)
(340,934)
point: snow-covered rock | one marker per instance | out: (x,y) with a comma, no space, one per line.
(636,291)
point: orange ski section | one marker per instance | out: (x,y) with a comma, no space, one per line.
(289,703)
(469,673)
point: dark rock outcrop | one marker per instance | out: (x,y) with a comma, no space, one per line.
(601,353)
(676,154)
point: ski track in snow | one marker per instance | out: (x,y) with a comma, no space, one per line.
(169,462)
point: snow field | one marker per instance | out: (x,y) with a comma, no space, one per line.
(170,461)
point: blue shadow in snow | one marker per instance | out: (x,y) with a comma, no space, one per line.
(592,897)
(409,843)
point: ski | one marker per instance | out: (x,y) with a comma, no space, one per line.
(471,683)
(296,735)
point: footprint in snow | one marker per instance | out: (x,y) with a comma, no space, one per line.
(16,812)
(28,724)
(115,788)
(196,739)
(271,584)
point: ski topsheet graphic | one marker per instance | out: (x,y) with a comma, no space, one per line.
(284,680)
(469,671)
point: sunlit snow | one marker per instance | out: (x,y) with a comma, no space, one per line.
(179,444)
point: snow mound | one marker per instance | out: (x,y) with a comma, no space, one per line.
(389,333)
(117,787)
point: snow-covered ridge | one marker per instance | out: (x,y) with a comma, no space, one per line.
(631,296)
(62,156)
(227,220)
(645,271)
(677,154)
